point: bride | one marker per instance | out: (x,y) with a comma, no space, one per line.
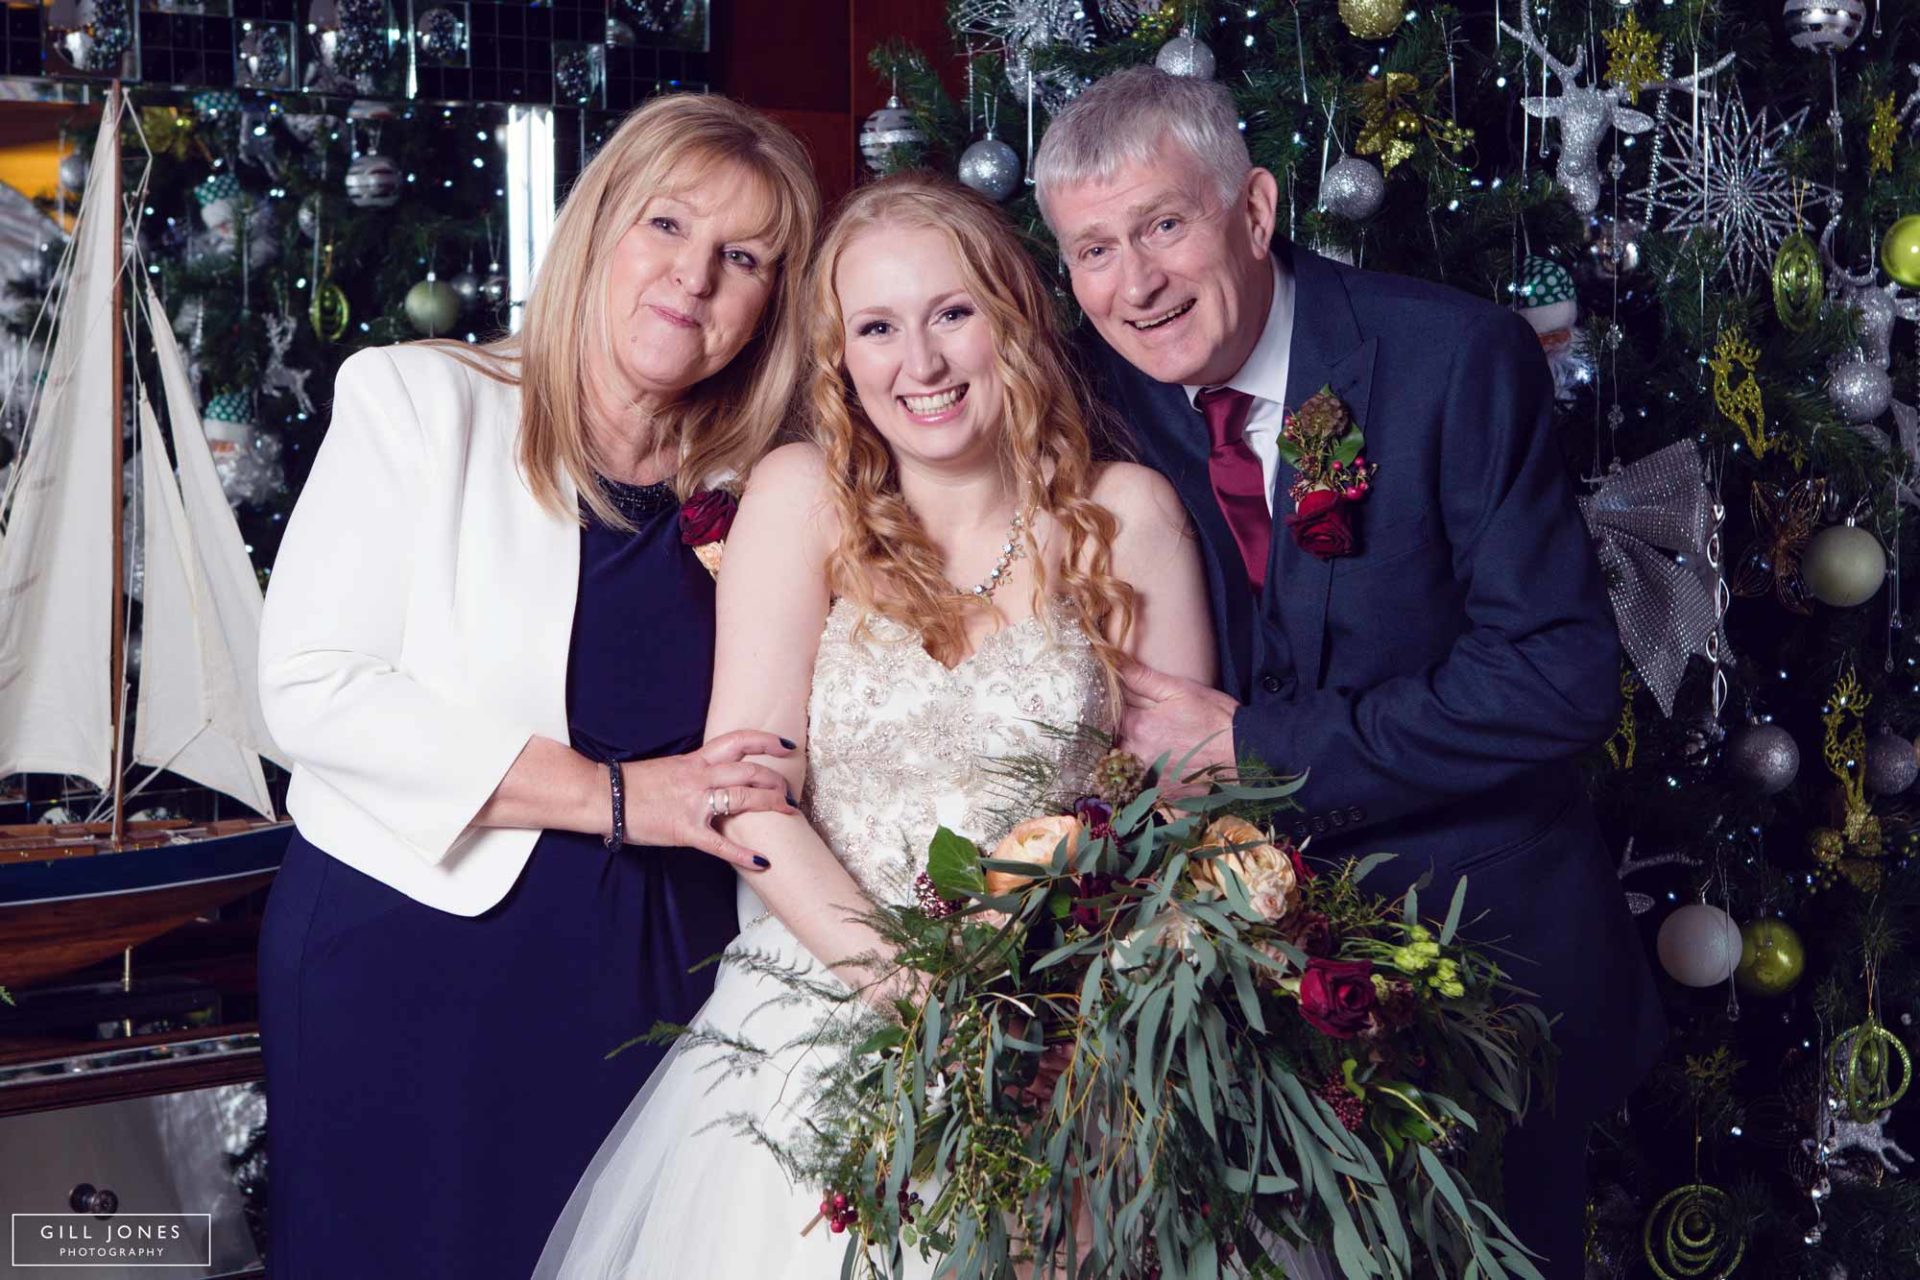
(941,572)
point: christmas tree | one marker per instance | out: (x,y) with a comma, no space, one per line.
(1711,215)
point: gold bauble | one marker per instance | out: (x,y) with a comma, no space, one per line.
(1372,19)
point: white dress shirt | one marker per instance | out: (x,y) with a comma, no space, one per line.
(1264,377)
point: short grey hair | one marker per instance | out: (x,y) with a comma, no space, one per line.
(1121,120)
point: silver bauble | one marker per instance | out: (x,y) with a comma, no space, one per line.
(440,37)
(433,307)
(1844,566)
(620,35)
(373,182)
(73,172)
(76,45)
(467,286)
(1892,765)
(1615,246)
(264,61)
(1860,391)
(992,168)
(1764,758)
(1699,945)
(307,216)
(1185,56)
(576,73)
(885,131)
(1354,189)
(495,289)
(1824,26)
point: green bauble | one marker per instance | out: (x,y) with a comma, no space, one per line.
(1798,283)
(1900,251)
(433,306)
(1844,565)
(1771,957)
(329,312)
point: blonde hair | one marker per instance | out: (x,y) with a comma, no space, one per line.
(724,423)
(885,562)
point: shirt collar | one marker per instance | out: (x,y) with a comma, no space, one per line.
(1264,375)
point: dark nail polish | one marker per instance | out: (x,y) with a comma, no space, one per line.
(787,743)
(791,802)
(761,862)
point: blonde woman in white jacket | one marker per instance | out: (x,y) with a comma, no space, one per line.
(489,652)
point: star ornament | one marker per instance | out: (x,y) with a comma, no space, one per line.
(1632,55)
(1726,179)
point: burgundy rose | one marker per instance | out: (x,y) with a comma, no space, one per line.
(707,516)
(1323,525)
(1086,911)
(1310,931)
(1096,814)
(1302,870)
(1337,996)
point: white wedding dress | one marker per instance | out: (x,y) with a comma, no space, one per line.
(897,745)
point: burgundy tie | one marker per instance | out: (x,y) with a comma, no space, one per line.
(1239,485)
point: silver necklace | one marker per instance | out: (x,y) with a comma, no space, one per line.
(1010,550)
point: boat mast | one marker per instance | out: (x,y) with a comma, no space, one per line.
(118,665)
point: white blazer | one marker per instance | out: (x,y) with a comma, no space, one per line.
(417,628)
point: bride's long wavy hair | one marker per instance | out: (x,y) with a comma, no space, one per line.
(885,562)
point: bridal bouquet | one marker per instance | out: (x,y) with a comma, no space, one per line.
(1150,1040)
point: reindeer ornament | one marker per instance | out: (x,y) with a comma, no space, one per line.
(1587,112)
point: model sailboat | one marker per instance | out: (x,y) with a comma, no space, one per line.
(72,895)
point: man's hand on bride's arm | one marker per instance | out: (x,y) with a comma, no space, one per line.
(1171,716)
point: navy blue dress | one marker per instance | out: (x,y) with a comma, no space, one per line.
(436,1084)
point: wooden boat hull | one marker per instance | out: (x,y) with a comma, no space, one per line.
(64,913)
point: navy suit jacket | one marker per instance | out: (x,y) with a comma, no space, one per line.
(1437,685)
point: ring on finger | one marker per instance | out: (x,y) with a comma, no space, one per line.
(713,810)
(726,802)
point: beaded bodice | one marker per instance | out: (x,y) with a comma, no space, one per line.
(899,745)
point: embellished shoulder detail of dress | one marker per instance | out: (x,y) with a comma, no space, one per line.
(899,745)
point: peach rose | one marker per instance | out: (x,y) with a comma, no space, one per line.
(1033,841)
(1234,846)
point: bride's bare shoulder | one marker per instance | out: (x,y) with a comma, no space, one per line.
(790,483)
(1140,498)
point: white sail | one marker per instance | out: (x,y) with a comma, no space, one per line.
(226,606)
(56,557)
(190,700)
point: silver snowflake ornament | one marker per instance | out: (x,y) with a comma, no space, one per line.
(1019,28)
(1726,177)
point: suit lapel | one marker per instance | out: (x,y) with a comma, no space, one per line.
(1327,350)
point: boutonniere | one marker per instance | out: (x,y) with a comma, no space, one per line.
(1324,445)
(705,520)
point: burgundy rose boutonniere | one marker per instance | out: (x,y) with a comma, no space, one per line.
(705,520)
(1324,445)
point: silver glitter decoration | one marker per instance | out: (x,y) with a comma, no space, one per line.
(1859,390)
(1019,27)
(1875,306)
(1731,183)
(1651,523)
(1587,112)
(1185,56)
(1353,189)
(1764,757)
(1122,16)
(890,127)
(1892,765)
(992,168)
(1824,26)
(1835,1134)
(1639,903)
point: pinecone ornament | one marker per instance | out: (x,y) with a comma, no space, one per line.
(1118,777)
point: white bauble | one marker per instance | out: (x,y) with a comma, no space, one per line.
(1699,945)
